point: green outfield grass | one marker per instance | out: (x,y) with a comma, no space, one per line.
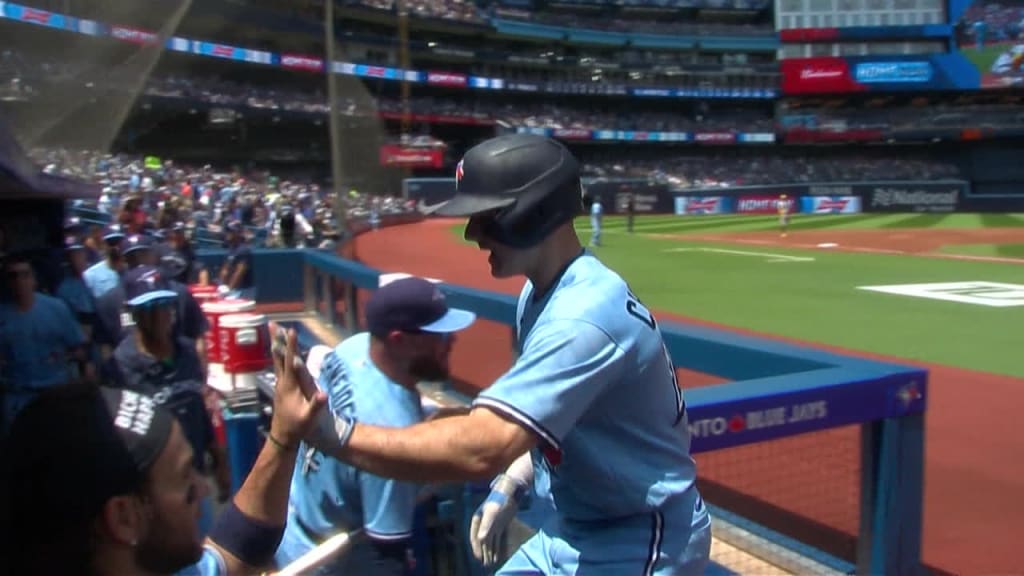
(998,250)
(818,300)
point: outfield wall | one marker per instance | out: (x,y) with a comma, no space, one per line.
(901,196)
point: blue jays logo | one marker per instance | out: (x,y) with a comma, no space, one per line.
(458,174)
(909,394)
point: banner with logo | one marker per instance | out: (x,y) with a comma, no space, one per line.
(923,197)
(394,155)
(830,205)
(840,75)
(699,205)
(760,204)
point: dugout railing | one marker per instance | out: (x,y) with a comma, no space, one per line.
(804,455)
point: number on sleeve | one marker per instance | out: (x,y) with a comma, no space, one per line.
(637,310)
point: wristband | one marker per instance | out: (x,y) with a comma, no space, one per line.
(249,540)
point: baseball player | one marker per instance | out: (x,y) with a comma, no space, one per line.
(154,360)
(596,214)
(372,376)
(592,394)
(105,275)
(100,481)
(783,206)
(236,276)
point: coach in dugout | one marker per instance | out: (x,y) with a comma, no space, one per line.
(100,481)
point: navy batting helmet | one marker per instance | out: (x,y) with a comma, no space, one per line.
(531,182)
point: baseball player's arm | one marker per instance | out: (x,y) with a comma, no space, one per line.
(565,365)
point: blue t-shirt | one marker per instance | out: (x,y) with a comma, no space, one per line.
(595,383)
(100,278)
(34,347)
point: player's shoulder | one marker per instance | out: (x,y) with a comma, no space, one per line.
(589,293)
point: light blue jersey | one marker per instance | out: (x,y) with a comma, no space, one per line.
(211,564)
(596,212)
(100,278)
(34,350)
(328,496)
(595,383)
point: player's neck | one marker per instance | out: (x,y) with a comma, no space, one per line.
(160,346)
(384,363)
(112,561)
(556,253)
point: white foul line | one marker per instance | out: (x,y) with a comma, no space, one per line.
(769,257)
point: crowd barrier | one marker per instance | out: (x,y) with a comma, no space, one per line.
(819,454)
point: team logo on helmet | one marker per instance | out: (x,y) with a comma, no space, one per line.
(458,174)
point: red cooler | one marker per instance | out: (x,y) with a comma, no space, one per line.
(203,294)
(245,348)
(214,311)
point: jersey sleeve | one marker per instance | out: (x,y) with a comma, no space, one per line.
(389,507)
(564,367)
(334,382)
(210,564)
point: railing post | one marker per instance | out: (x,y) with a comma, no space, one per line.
(309,287)
(329,300)
(351,305)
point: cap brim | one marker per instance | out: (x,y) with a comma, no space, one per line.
(143,299)
(469,204)
(113,237)
(453,321)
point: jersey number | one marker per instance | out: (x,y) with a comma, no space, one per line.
(637,310)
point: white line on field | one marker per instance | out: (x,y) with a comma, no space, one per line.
(769,257)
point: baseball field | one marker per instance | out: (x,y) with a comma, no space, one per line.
(945,292)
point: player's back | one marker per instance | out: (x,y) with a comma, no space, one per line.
(325,493)
(628,452)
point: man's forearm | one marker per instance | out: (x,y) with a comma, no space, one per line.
(264,494)
(442,450)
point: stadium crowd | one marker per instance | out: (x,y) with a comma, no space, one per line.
(274,212)
(467,11)
(725,170)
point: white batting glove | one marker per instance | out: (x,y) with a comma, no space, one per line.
(491,520)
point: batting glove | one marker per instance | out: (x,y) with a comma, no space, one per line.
(491,520)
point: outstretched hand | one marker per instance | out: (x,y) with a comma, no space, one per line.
(297,400)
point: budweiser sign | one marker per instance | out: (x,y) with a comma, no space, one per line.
(446,79)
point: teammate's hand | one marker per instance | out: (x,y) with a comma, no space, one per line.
(490,522)
(296,407)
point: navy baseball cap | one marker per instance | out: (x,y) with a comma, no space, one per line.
(137,242)
(73,242)
(413,305)
(144,285)
(72,222)
(113,233)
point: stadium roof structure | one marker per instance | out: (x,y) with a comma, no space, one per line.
(21,179)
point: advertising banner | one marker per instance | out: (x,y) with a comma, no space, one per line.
(760,204)
(698,205)
(838,75)
(446,79)
(830,205)
(714,138)
(394,155)
(300,62)
(924,197)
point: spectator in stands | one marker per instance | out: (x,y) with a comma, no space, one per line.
(236,275)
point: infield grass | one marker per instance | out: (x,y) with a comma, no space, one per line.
(780,291)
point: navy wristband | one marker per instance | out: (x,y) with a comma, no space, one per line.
(251,541)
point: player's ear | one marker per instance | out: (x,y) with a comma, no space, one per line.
(122,519)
